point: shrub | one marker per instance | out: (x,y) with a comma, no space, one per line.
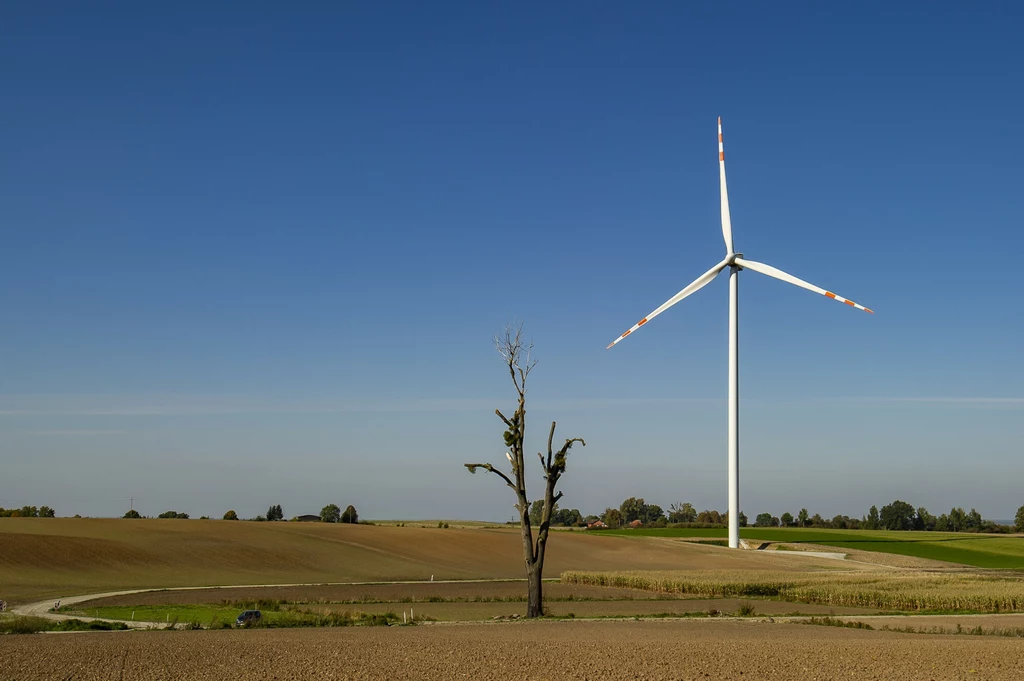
(32,625)
(833,622)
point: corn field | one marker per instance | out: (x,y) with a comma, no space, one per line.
(883,590)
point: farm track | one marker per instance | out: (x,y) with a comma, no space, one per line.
(42,608)
(604,603)
(677,649)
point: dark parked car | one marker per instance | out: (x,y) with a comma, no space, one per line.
(248,618)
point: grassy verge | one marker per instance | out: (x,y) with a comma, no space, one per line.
(223,616)
(206,615)
(298,618)
(32,625)
(1011,632)
(886,591)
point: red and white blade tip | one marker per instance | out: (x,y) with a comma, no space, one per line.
(631,330)
(829,294)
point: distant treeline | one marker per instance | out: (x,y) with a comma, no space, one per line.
(28,512)
(899,515)
(331,513)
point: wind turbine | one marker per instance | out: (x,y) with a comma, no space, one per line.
(735,262)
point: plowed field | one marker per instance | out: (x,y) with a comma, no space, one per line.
(523,650)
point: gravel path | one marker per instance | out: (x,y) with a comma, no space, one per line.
(523,650)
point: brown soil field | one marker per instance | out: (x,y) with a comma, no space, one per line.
(681,649)
(44,557)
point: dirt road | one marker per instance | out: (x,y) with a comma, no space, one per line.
(42,608)
(524,650)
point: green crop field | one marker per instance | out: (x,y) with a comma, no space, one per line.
(978,550)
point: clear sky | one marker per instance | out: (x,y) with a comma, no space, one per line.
(256,256)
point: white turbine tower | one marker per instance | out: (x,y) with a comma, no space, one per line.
(735,262)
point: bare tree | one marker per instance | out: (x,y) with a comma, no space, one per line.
(519,359)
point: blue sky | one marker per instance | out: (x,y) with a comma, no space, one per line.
(256,256)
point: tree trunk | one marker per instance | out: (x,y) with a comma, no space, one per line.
(535,607)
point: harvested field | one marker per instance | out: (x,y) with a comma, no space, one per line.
(54,557)
(372,593)
(882,590)
(563,650)
(464,612)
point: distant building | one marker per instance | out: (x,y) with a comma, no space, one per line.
(307,518)
(636,523)
(597,525)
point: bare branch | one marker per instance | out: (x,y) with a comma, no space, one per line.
(502,417)
(558,467)
(509,344)
(568,444)
(551,436)
(488,467)
(528,365)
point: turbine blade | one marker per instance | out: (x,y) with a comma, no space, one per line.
(789,278)
(696,285)
(726,218)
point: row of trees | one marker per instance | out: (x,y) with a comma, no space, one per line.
(332,514)
(899,515)
(28,512)
(132,513)
(631,510)
(651,515)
